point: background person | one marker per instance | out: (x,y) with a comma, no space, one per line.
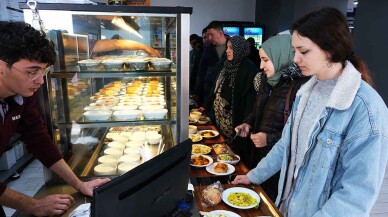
(195,58)
(25,57)
(254,53)
(233,94)
(276,93)
(213,55)
(334,147)
(205,39)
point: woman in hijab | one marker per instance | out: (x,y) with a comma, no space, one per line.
(233,94)
(277,88)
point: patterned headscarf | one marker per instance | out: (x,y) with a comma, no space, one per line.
(223,102)
(240,51)
(279,50)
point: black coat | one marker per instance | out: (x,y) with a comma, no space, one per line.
(268,115)
(197,55)
(207,73)
(244,92)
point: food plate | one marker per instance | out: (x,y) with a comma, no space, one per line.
(247,191)
(195,137)
(192,120)
(203,120)
(228,158)
(200,149)
(221,213)
(230,170)
(208,133)
(221,149)
(196,160)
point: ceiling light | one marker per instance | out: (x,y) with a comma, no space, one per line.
(355,3)
(119,21)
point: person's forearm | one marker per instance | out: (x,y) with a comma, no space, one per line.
(64,171)
(129,45)
(16,200)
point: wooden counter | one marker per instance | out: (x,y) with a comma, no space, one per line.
(266,206)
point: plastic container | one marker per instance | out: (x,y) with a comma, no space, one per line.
(138,64)
(161,64)
(154,113)
(113,65)
(89,65)
(101,115)
(126,115)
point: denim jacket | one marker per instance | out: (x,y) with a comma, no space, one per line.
(344,165)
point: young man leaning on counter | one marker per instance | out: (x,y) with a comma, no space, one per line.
(25,57)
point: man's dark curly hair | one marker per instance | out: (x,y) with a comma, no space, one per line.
(20,40)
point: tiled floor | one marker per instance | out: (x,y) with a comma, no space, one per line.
(31,179)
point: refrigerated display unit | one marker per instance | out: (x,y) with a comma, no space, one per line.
(90,101)
(231,30)
(255,32)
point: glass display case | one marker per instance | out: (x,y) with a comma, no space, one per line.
(110,111)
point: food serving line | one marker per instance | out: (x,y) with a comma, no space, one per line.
(221,206)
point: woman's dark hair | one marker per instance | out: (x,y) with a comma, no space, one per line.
(20,40)
(328,28)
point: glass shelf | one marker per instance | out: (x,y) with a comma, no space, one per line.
(110,74)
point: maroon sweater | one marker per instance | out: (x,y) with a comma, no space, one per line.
(26,120)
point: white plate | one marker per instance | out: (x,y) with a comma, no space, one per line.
(204,149)
(205,156)
(216,133)
(228,191)
(228,161)
(230,170)
(225,212)
(192,120)
(195,137)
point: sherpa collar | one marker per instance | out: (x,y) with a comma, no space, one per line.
(344,91)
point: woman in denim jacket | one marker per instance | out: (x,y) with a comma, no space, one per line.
(334,147)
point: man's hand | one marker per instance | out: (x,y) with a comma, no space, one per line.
(151,51)
(55,204)
(241,179)
(86,188)
(243,130)
(259,139)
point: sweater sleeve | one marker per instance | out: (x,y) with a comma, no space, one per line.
(35,135)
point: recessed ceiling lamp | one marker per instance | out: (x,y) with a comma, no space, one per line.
(355,2)
(119,21)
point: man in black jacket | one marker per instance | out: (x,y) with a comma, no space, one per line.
(254,54)
(212,55)
(195,58)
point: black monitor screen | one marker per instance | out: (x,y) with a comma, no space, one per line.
(255,33)
(152,189)
(231,30)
